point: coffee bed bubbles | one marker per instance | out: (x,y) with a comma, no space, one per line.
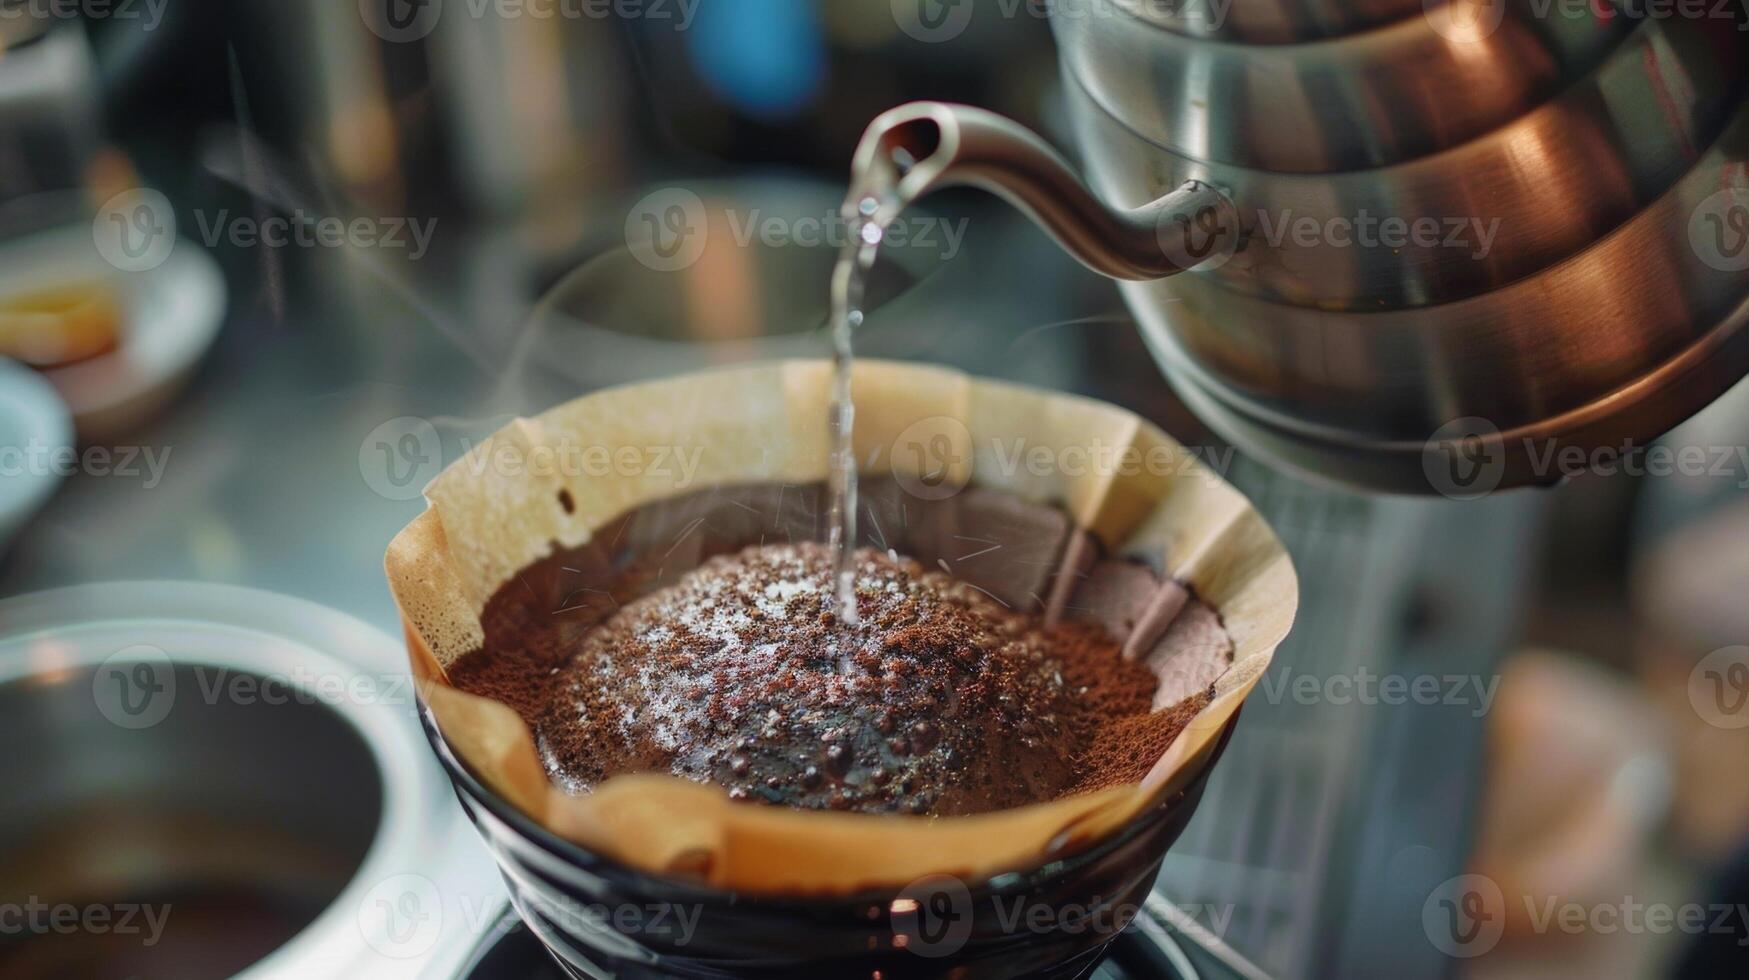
(935,700)
(659,649)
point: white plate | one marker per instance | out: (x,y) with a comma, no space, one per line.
(33,424)
(172,315)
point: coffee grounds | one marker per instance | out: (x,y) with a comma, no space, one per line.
(938,700)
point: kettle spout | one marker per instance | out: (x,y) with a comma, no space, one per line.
(922,146)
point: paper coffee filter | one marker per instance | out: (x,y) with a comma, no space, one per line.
(512,502)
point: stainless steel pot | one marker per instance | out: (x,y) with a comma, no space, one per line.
(1504,205)
(1269,21)
(1606,304)
(1576,337)
(1362,100)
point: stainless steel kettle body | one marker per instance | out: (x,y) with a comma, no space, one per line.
(1430,254)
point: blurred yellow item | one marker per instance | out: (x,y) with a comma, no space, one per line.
(60,325)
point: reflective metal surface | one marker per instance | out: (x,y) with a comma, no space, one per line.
(241,765)
(1572,279)
(51,121)
(241,824)
(1623,340)
(925,146)
(1270,21)
(1503,206)
(1418,85)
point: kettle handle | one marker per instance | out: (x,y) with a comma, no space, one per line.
(922,146)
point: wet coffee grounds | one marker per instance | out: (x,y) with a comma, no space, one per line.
(937,700)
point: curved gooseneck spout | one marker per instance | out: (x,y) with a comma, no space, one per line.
(922,146)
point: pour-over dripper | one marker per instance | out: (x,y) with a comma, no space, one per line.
(776,892)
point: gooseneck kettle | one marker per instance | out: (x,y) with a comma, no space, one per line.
(1480,231)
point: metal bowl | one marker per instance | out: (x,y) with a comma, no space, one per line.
(223,775)
(1365,100)
(1502,207)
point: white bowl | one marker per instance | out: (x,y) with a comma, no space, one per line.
(171,316)
(34,426)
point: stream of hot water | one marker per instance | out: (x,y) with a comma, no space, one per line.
(873,205)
